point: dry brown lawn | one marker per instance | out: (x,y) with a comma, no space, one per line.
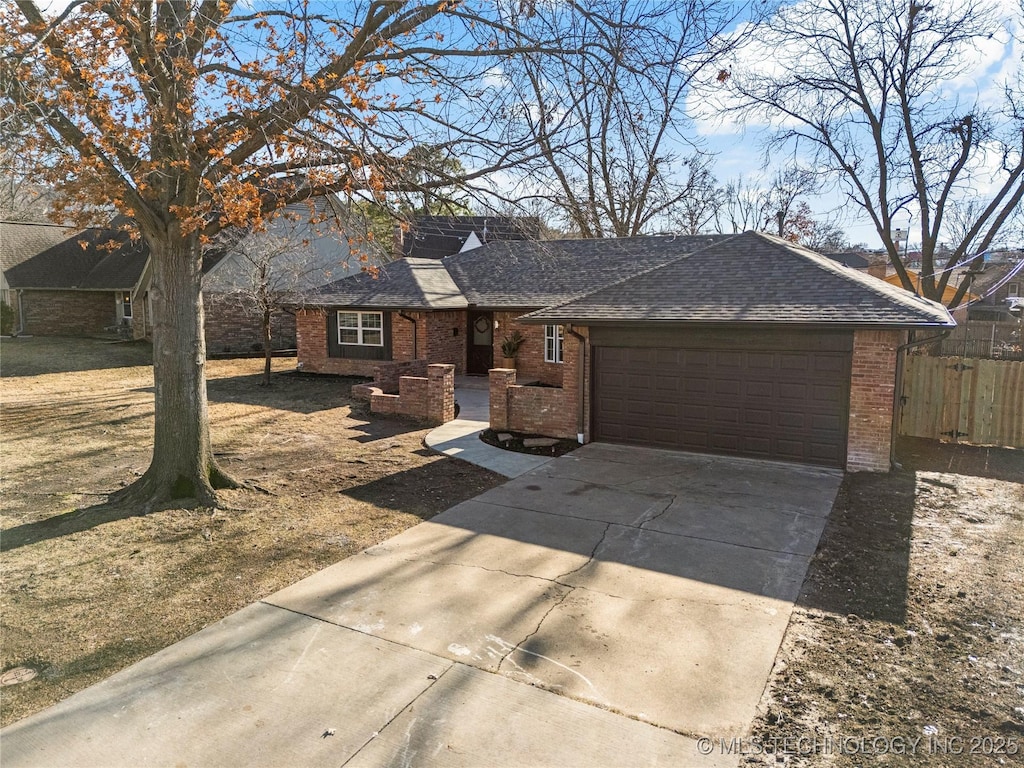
(87,591)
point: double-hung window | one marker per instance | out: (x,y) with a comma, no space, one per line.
(364,329)
(126,305)
(552,343)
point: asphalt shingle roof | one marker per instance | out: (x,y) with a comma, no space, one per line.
(751,277)
(91,259)
(542,273)
(401,284)
(21,240)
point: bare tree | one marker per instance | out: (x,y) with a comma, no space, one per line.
(861,85)
(609,122)
(266,273)
(703,201)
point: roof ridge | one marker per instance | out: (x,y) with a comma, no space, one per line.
(877,285)
(675,260)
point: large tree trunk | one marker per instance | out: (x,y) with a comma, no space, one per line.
(183,467)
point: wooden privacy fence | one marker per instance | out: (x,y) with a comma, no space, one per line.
(966,400)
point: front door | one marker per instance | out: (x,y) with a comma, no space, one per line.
(480,355)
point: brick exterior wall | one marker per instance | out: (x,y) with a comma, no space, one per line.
(530,364)
(550,411)
(872,389)
(402,337)
(68,313)
(229,328)
(440,338)
(311,339)
(445,334)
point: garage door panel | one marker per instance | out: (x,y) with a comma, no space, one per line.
(758,402)
(727,388)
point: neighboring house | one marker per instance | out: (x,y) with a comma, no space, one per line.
(65,281)
(948,294)
(742,344)
(293,256)
(997,287)
(434,237)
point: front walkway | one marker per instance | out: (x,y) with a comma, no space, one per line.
(461,438)
(616,607)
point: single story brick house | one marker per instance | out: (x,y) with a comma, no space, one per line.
(67,281)
(735,344)
(64,281)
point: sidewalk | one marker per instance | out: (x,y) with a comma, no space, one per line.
(461,438)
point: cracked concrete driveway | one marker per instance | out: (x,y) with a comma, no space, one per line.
(608,608)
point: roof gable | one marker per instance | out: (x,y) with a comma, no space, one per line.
(751,277)
(401,284)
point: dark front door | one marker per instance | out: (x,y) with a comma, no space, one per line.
(480,338)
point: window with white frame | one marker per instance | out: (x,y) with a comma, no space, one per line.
(126,305)
(552,343)
(1013,290)
(364,329)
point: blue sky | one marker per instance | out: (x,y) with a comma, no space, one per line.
(740,149)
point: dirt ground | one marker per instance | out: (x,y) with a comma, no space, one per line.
(85,593)
(907,645)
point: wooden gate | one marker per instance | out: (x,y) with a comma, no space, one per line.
(966,400)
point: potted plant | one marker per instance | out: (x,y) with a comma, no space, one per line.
(510,348)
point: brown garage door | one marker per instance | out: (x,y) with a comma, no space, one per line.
(788,404)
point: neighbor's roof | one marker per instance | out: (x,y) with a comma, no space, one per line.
(435,237)
(948,293)
(750,277)
(401,284)
(21,240)
(91,259)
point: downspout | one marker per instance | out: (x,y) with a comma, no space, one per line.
(21,314)
(897,404)
(580,412)
(415,334)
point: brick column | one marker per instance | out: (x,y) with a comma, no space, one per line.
(440,393)
(872,385)
(499,380)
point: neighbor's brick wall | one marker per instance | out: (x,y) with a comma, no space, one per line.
(530,364)
(872,388)
(230,329)
(311,340)
(68,313)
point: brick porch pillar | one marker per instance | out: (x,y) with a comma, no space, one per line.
(499,380)
(440,393)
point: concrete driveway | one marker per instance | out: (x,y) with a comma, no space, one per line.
(608,608)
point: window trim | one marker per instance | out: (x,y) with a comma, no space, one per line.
(554,338)
(1013,290)
(360,328)
(126,301)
